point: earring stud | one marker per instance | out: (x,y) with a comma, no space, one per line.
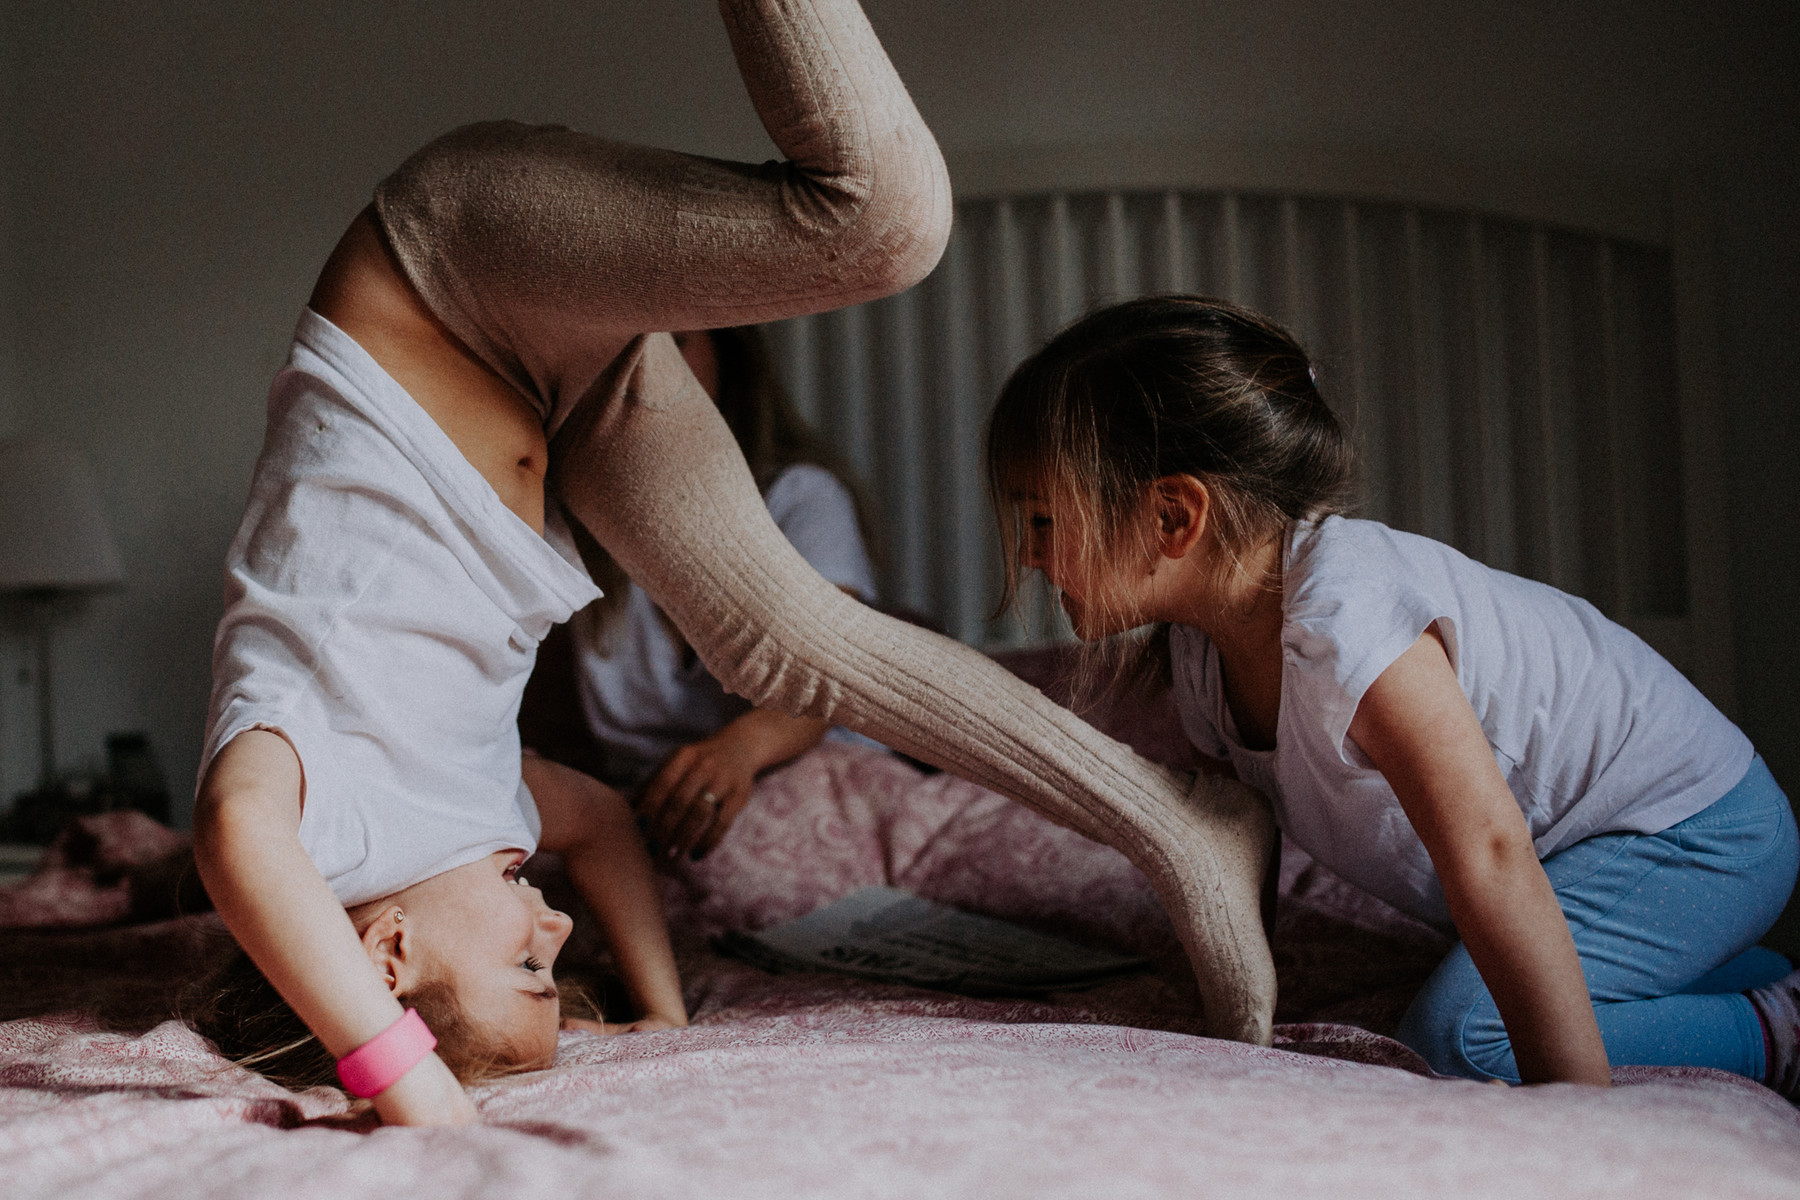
(399,915)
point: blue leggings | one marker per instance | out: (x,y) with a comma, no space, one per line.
(1666,925)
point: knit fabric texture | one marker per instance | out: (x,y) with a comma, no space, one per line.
(553,255)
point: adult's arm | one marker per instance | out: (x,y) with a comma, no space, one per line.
(285,916)
(545,250)
(1416,725)
(593,829)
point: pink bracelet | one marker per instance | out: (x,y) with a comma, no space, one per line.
(377,1065)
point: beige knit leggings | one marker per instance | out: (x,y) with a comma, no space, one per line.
(649,467)
(548,253)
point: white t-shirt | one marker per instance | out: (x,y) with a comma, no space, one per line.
(641,699)
(383,610)
(1593,730)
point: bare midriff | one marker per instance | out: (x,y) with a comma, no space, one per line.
(362,292)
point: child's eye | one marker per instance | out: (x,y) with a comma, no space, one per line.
(532,964)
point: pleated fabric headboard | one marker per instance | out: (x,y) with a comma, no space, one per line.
(1516,364)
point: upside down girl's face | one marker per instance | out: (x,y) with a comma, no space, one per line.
(487,932)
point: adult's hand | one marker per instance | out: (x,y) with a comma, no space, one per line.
(698,792)
(690,803)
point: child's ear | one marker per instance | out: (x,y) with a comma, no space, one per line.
(1182,505)
(389,945)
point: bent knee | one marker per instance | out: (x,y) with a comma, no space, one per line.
(1454,1026)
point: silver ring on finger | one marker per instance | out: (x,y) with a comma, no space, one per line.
(710,800)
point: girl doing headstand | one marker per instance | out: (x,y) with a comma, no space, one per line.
(477,342)
(1481,751)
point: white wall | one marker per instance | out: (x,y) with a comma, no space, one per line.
(181,170)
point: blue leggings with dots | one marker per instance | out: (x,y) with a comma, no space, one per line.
(1666,925)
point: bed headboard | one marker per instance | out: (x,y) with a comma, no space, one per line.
(1525,358)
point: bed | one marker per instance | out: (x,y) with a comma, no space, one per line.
(796,1086)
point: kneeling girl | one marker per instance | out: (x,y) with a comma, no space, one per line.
(1485,753)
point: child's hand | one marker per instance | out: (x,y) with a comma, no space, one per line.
(426,1095)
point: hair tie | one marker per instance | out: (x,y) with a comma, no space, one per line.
(377,1065)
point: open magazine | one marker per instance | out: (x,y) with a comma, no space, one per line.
(893,936)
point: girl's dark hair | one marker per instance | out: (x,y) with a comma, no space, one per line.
(771,433)
(1160,386)
(243,1014)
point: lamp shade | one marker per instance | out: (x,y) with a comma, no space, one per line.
(53,535)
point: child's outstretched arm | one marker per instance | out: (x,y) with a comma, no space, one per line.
(592,827)
(285,916)
(1416,724)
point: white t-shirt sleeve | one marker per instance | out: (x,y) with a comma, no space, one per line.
(816,513)
(1357,606)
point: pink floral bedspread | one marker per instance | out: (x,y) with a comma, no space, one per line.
(813,1085)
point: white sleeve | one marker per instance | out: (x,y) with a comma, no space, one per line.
(1356,601)
(816,513)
